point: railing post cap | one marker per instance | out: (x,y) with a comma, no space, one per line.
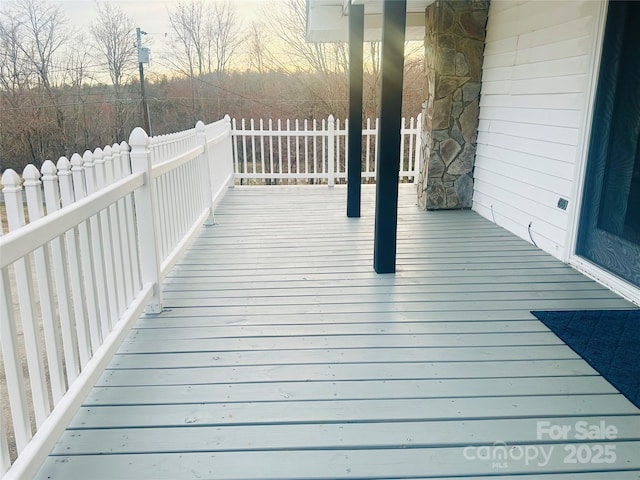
(10,181)
(124,146)
(98,153)
(138,138)
(31,175)
(87,158)
(64,165)
(76,160)
(331,118)
(200,126)
(107,151)
(49,170)
(227,118)
(116,148)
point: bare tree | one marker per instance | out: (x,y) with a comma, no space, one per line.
(15,76)
(189,36)
(206,35)
(33,34)
(372,79)
(289,26)
(223,33)
(189,41)
(40,31)
(325,63)
(204,39)
(15,70)
(114,37)
(257,50)
(78,80)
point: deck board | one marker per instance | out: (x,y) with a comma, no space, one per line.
(281,354)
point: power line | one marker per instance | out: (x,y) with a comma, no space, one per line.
(94,102)
(224,89)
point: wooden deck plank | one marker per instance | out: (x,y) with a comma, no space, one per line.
(281,354)
(355,411)
(173,317)
(329,464)
(292,290)
(324,436)
(418,306)
(180,390)
(343,356)
(187,299)
(393,293)
(452,275)
(343,341)
(359,328)
(329,372)
(322,286)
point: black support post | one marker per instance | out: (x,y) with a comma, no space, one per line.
(386,222)
(354,172)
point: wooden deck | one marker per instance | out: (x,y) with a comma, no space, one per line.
(281,354)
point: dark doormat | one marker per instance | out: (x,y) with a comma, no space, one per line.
(609,340)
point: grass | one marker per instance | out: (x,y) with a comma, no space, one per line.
(3,217)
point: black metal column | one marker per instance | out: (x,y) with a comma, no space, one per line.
(386,223)
(354,172)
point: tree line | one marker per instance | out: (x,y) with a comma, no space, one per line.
(64,91)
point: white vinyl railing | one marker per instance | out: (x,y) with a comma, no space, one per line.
(101,232)
(91,259)
(314,152)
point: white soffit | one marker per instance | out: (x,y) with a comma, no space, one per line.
(327,20)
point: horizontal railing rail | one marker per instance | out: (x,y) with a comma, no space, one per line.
(103,231)
(314,151)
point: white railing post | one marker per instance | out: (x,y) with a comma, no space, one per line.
(331,150)
(417,162)
(229,151)
(145,203)
(206,162)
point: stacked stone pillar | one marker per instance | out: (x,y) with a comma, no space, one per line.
(454,44)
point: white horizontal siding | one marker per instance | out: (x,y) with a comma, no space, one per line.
(532,106)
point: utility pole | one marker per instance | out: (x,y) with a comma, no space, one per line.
(143,57)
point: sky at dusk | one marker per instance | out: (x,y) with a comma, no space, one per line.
(152,17)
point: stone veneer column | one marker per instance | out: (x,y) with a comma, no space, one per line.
(454,44)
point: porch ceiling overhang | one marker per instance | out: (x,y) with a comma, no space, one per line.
(327,20)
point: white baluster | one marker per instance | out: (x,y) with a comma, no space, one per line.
(331,138)
(33,190)
(15,216)
(114,236)
(9,345)
(83,175)
(133,246)
(80,295)
(123,227)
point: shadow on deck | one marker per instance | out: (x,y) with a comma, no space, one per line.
(281,354)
